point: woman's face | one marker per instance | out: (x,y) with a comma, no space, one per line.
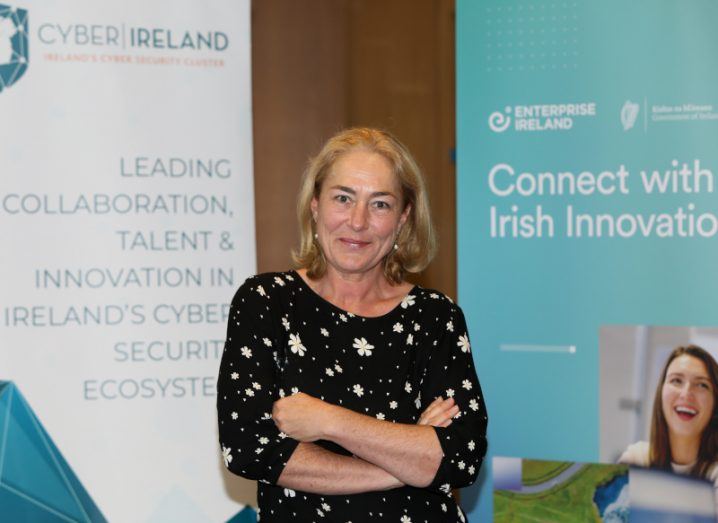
(687,397)
(358,212)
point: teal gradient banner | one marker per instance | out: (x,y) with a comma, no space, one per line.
(586,197)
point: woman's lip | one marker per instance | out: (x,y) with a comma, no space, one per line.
(685,413)
(353,242)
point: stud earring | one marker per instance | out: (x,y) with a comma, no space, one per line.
(396,247)
(316,236)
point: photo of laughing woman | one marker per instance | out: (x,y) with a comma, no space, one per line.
(684,423)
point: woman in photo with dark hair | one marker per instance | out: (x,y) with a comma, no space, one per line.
(684,425)
(347,392)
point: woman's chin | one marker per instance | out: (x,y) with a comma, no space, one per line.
(686,429)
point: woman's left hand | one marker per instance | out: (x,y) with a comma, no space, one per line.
(302,417)
(439,413)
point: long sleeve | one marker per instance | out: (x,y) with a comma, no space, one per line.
(247,387)
(450,372)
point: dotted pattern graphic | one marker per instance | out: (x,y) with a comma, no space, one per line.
(532,36)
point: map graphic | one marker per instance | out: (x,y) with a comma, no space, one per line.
(558,491)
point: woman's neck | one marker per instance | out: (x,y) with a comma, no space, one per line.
(684,449)
(366,294)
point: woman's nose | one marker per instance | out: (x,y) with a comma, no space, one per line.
(687,389)
(358,218)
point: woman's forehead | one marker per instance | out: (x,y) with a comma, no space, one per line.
(363,169)
(688,365)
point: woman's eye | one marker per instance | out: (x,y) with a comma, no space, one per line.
(704,386)
(675,381)
(382,205)
(341,198)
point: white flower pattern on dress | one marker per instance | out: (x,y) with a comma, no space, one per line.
(295,344)
(464,343)
(408,301)
(358,390)
(398,327)
(363,347)
(227,455)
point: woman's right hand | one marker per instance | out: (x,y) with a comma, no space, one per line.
(439,413)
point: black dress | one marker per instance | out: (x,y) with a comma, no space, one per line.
(282,338)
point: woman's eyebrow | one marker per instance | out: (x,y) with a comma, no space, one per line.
(343,188)
(352,191)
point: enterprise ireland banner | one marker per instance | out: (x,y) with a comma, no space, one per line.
(126,220)
(587,166)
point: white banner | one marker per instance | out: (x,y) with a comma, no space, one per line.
(126,219)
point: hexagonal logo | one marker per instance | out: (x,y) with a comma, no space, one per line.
(14,55)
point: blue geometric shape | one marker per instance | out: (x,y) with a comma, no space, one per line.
(13,37)
(246,515)
(36,483)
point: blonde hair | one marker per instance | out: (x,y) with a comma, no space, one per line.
(416,240)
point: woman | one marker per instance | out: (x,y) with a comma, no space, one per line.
(348,393)
(684,427)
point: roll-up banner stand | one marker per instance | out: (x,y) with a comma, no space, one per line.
(587,211)
(126,219)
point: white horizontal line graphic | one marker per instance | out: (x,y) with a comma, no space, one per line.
(568,349)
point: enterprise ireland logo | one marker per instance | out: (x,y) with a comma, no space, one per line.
(498,121)
(13,45)
(540,117)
